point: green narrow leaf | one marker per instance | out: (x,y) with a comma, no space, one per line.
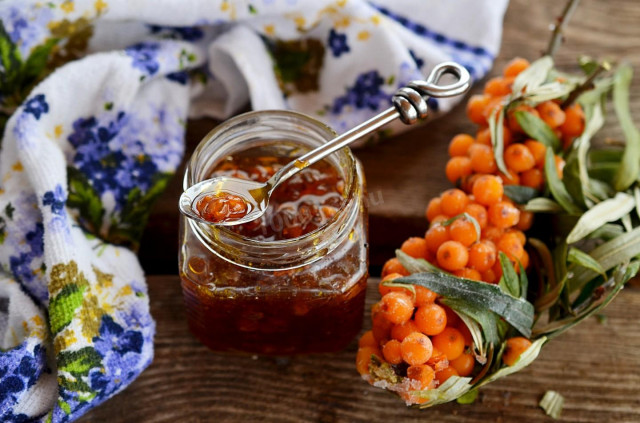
(630,165)
(496,127)
(636,197)
(414,265)
(524,282)
(549,91)
(537,129)
(509,281)
(583,259)
(542,205)
(533,76)
(520,194)
(485,318)
(468,398)
(607,211)
(467,216)
(476,335)
(516,311)
(451,389)
(556,186)
(610,254)
(552,403)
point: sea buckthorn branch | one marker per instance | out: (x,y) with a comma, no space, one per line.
(559,26)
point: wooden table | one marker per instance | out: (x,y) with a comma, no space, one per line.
(595,366)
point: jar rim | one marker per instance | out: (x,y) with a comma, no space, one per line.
(338,222)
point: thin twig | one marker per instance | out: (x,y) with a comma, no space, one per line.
(586,85)
(558,27)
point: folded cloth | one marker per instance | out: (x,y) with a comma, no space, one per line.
(88,147)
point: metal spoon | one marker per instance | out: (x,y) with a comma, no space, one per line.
(409,104)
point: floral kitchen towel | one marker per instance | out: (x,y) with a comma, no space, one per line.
(94,98)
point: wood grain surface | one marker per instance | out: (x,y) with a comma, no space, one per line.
(595,366)
(404,172)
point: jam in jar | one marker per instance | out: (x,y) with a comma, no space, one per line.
(294,280)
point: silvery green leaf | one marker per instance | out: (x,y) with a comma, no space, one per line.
(626,222)
(547,92)
(523,361)
(606,211)
(476,334)
(542,205)
(630,165)
(606,232)
(520,194)
(414,265)
(595,95)
(636,197)
(595,121)
(485,318)
(468,398)
(601,190)
(556,186)
(509,281)
(534,76)
(552,403)
(452,389)
(537,129)
(496,127)
(583,259)
(610,254)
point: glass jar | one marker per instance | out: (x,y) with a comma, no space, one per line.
(288,296)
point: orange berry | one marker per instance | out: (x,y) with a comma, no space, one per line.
(482,159)
(524,260)
(450,342)
(573,125)
(494,105)
(415,246)
(468,273)
(482,256)
(460,144)
(483,136)
(445,374)
(380,326)
(488,190)
(467,183)
(511,246)
(385,289)
(433,209)
(452,317)
(551,114)
(507,137)
(475,108)
(453,202)
(519,158)
(492,234)
(512,121)
(498,86)
(416,349)
(522,238)
(559,165)
(367,340)
(438,219)
(463,364)
(489,276)
(537,150)
(503,215)
(435,236)
(424,296)
(431,319)
(466,334)
(391,352)
(458,168)
(511,179)
(479,213)
(397,307)
(515,347)
(452,255)
(515,66)
(463,231)
(422,373)
(525,221)
(393,266)
(497,270)
(363,359)
(401,331)
(438,360)
(533,178)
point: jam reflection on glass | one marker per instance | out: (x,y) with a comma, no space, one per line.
(314,308)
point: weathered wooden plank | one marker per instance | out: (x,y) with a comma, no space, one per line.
(595,366)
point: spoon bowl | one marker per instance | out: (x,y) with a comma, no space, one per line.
(255,195)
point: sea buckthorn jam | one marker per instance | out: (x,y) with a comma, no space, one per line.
(294,280)
(221,207)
